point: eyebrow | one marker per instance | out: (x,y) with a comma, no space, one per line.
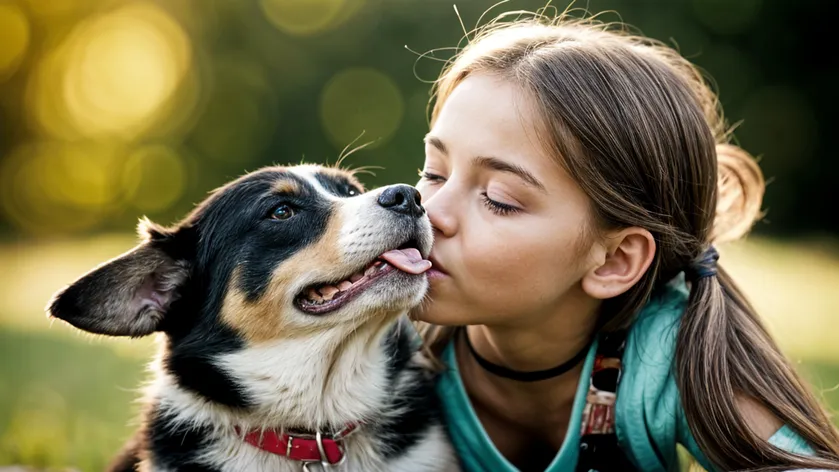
(493,163)
(286,185)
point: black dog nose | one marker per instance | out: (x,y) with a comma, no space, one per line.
(402,199)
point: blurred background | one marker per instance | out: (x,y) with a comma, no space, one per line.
(115,109)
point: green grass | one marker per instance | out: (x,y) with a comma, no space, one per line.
(64,401)
(69,399)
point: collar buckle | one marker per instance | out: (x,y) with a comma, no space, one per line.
(324,459)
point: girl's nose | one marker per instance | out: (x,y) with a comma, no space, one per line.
(442,210)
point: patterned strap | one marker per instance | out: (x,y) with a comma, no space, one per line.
(599,450)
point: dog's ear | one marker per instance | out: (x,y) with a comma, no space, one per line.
(130,294)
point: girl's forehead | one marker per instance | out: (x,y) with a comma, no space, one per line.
(493,100)
(488,113)
(489,116)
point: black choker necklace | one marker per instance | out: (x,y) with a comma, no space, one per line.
(533,376)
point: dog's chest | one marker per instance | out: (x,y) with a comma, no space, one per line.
(308,391)
(371,384)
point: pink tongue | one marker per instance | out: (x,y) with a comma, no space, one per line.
(407,260)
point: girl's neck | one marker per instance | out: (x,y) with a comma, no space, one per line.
(543,341)
(538,409)
(533,344)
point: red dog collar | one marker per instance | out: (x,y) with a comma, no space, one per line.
(304,448)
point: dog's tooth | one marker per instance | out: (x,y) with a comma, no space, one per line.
(344,285)
(370,270)
(314,295)
(382,267)
(356,277)
(329,291)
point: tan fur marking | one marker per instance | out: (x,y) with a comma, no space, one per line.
(264,320)
(287,186)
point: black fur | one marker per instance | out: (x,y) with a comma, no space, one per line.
(175,447)
(419,404)
(338,185)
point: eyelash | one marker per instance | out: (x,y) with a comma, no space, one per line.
(498,208)
(432,177)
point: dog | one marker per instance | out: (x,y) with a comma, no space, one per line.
(281,301)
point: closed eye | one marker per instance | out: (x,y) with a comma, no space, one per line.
(431,177)
(497,207)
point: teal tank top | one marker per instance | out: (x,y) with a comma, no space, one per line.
(649,419)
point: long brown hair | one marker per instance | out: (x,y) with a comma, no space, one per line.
(638,128)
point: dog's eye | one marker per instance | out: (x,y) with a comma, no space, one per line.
(282,212)
(352,192)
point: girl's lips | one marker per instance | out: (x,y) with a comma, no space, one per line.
(434,274)
(437,270)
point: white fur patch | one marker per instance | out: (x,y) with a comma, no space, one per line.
(331,377)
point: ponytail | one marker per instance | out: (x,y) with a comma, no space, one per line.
(724,354)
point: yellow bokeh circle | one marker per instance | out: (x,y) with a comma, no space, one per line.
(305,17)
(361,100)
(116,71)
(14,38)
(45,105)
(54,187)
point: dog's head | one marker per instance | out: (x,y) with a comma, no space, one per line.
(282,252)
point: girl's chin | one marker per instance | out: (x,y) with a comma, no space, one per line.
(438,315)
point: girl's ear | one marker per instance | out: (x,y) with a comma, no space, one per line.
(627,255)
(130,294)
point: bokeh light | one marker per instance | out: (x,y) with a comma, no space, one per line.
(112,75)
(154,177)
(126,65)
(46,110)
(56,187)
(55,8)
(361,100)
(308,17)
(14,38)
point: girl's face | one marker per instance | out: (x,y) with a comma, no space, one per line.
(510,240)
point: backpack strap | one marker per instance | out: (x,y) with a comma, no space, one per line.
(599,449)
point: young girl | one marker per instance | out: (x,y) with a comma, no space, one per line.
(577,178)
